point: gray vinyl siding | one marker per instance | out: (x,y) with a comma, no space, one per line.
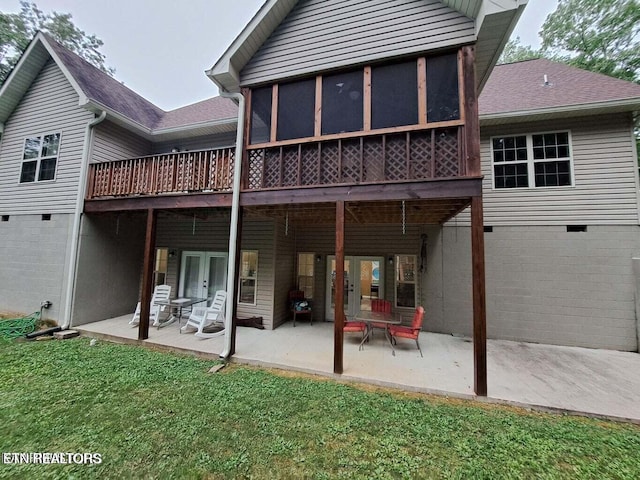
(284,272)
(320,35)
(181,233)
(605,172)
(49,106)
(112,142)
(199,143)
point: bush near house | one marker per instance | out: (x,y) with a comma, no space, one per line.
(156,415)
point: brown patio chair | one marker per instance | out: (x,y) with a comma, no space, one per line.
(409,332)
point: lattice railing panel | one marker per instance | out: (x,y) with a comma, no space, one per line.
(421,158)
(272,169)
(447,153)
(255,169)
(372,160)
(330,162)
(310,165)
(351,161)
(290,166)
(395,165)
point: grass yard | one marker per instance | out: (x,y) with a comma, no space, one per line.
(159,415)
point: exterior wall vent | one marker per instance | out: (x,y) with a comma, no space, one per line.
(488,229)
(46,217)
(5,218)
(576,228)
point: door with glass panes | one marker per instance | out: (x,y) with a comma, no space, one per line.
(202,274)
(363,281)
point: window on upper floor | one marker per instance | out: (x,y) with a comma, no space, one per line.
(422,93)
(533,160)
(40,158)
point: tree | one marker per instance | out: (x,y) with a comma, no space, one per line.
(17,30)
(514,51)
(597,35)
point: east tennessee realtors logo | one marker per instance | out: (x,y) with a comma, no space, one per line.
(51,458)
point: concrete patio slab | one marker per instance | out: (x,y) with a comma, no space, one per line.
(600,383)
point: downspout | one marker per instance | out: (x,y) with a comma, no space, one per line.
(75,234)
(233,228)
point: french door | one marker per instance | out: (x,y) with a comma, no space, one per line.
(363,281)
(202,274)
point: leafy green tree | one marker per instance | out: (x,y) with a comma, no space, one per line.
(597,35)
(514,51)
(17,30)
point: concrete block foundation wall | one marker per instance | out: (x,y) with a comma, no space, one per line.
(544,284)
(34,261)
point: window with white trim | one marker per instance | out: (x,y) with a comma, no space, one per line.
(247,293)
(406,285)
(305,273)
(40,158)
(533,160)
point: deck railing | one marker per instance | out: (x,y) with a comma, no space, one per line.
(183,172)
(379,158)
(410,155)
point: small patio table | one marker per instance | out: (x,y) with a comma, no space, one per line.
(179,304)
(377,317)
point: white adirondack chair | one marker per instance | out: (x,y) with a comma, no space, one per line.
(161,295)
(202,317)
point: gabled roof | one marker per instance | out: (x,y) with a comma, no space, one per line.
(517,91)
(494,20)
(99,91)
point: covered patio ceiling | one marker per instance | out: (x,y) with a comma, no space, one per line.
(422,211)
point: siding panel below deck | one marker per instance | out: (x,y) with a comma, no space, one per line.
(321,35)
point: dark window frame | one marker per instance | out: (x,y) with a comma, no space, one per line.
(367,129)
(39,163)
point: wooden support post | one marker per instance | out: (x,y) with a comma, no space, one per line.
(471,164)
(147,274)
(338,325)
(479,298)
(236,280)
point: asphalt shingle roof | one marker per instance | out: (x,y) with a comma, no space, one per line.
(109,92)
(518,87)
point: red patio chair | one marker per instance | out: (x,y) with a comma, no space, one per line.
(354,327)
(383,306)
(409,332)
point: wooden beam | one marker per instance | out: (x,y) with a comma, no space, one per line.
(367,100)
(422,91)
(472,120)
(147,274)
(164,202)
(317,130)
(479,298)
(338,326)
(412,190)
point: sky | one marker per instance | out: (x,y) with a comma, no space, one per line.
(161,48)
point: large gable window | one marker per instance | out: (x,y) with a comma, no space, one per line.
(409,95)
(536,160)
(40,158)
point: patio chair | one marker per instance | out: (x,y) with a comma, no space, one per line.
(208,321)
(299,305)
(411,332)
(159,301)
(383,306)
(354,327)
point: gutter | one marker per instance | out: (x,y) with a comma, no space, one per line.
(77,216)
(233,228)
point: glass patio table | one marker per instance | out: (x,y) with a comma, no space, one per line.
(178,304)
(377,317)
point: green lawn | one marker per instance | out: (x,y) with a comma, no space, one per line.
(158,415)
